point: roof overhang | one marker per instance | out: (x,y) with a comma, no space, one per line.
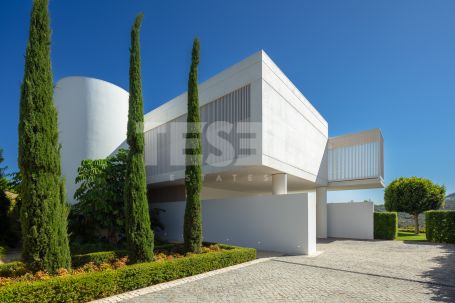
(369,183)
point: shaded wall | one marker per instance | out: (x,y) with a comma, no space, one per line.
(283,223)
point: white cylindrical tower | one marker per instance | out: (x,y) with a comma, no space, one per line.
(92,118)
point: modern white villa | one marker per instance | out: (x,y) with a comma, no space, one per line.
(268,161)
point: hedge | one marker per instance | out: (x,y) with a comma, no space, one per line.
(385,225)
(9,269)
(97,257)
(89,286)
(440,226)
(12,269)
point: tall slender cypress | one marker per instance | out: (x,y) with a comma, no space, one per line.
(192,229)
(137,218)
(44,209)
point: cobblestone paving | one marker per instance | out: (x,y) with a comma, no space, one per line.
(347,271)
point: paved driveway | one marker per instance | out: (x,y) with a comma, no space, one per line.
(347,271)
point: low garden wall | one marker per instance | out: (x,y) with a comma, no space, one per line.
(350,220)
(282,223)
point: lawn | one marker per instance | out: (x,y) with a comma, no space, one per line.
(406,235)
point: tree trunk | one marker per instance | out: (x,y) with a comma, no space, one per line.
(416,220)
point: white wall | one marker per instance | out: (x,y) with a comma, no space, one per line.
(294,133)
(321,212)
(92,118)
(284,223)
(350,220)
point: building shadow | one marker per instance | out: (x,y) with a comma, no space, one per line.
(330,240)
(442,276)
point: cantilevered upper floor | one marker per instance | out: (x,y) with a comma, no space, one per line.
(256,124)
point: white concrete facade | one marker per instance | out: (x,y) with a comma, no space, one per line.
(290,135)
(262,142)
(321,212)
(287,224)
(93,116)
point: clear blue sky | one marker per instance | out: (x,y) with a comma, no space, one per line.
(362,64)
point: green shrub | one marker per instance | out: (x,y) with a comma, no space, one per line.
(4,206)
(12,269)
(385,225)
(13,234)
(2,251)
(78,248)
(440,226)
(99,215)
(4,201)
(98,257)
(413,196)
(164,246)
(90,286)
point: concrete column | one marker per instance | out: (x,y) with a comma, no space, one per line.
(321,212)
(309,216)
(280,184)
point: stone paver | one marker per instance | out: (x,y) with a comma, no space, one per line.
(347,271)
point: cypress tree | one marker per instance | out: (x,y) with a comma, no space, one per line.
(44,209)
(137,218)
(192,228)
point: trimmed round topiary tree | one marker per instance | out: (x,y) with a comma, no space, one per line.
(414,196)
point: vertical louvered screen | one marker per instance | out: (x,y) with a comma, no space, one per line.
(357,156)
(233,108)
